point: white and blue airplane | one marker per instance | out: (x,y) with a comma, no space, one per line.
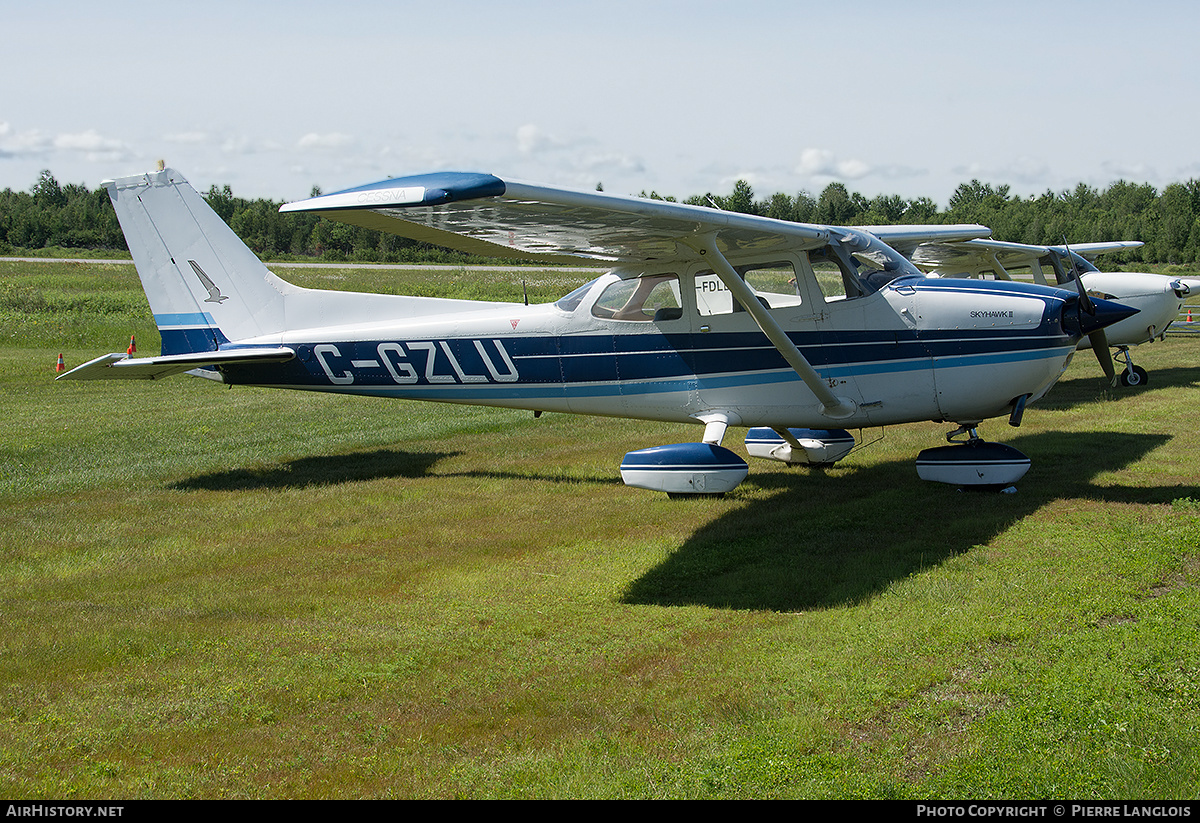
(798,332)
(1157,297)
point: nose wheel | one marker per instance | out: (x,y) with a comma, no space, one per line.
(1133,375)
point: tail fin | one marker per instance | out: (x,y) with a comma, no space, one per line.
(205,287)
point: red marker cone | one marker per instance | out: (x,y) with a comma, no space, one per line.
(132,346)
(61,367)
(1189,314)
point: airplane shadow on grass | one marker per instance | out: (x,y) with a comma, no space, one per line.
(329,470)
(819,539)
(324,470)
(826,540)
(1079,391)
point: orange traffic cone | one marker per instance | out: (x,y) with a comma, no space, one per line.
(1189,314)
(61,367)
(132,346)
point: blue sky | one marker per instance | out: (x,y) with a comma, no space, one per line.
(682,98)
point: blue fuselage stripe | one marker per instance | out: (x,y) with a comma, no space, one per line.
(196,318)
(597,365)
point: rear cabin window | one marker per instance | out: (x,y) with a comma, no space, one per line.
(642,299)
(571,301)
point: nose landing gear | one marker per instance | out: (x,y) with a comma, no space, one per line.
(1133,375)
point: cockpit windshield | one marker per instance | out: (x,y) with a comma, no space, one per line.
(1065,263)
(1082,263)
(877,263)
(867,263)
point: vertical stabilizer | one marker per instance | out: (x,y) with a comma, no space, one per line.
(205,287)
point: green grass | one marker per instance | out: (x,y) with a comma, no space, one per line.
(59,304)
(213,592)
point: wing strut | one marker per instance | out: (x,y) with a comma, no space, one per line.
(831,405)
(998,268)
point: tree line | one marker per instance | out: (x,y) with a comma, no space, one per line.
(1168,222)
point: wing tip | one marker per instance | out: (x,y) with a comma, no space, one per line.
(431,189)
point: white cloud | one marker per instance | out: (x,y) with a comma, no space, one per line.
(332,140)
(189,137)
(1129,171)
(1023,173)
(612,161)
(1191,171)
(823,163)
(247,145)
(853,169)
(23,144)
(93,146)
(88,141)
(530,138)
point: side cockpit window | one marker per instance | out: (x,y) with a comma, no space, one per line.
(774,284)
(653,297)
(836,272)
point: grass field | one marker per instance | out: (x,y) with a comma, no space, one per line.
(225,593)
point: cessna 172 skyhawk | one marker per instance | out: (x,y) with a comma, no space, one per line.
(1158,298)
(796,331)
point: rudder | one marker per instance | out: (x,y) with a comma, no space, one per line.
(205,287)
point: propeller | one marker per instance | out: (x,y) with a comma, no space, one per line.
(1097,338)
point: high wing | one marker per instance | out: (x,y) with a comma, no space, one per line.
(980,255)
(1090,251)
(906,239)
(482,214)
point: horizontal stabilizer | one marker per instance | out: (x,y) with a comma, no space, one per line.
(120,366)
